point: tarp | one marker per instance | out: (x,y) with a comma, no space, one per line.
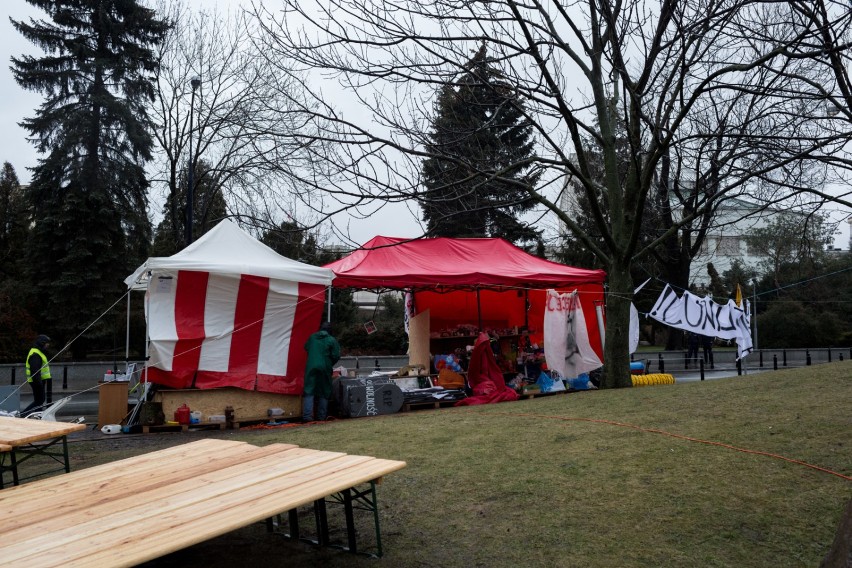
(229,311)
(485,378)
(396,263)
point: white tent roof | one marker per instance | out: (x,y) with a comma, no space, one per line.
(227,249)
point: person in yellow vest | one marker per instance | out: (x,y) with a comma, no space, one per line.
(38,375)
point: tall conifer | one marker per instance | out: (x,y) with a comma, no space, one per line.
(474,185)
(89,190)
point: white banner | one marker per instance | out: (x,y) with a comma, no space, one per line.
(705,317)
(566,339)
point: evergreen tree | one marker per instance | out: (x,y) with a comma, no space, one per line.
(475,185)
(14,220)
(17,328)
(89,192)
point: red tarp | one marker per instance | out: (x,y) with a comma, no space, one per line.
(485,378)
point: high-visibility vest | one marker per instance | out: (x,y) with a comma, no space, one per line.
(45,369)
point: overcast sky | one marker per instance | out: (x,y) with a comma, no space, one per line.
(16,104)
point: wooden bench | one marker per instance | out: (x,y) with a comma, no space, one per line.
(134,510)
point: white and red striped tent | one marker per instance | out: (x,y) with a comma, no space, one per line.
(229,311)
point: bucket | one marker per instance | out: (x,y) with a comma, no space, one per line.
(182,414)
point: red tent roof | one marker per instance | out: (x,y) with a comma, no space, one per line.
(390,262)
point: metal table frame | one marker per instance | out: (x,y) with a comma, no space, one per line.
(351,499)
(31,450)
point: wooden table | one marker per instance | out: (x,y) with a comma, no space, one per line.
(134,510)
(27,438)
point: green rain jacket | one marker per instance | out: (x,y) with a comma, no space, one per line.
(323,352)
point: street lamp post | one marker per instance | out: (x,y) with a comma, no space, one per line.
(190,182)
(754,314)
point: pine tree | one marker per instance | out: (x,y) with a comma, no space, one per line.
(474,185)
(89,192)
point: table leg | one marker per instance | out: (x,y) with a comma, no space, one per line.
(350,520)
(293,516)
(322,521)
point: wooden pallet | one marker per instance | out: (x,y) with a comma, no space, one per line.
(406,407)
(183,427)
(538,394)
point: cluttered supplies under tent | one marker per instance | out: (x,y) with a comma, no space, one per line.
(228,311)
(457,288)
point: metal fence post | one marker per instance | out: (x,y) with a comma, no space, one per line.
(784,353)
(739,367)
(761,359)
(808,357)
(775,362)
(13,376)
(701,365)
(661,363)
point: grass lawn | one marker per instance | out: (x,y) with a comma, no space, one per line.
(631,477)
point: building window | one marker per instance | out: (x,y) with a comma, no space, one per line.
(728,246)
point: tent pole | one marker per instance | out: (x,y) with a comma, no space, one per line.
(127,333)
(478,310)
(328,317)
(601,330)
(147,335)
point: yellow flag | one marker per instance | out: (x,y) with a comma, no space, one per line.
(739,297)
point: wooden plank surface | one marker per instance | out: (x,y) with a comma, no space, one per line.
(181,496)
(22,431)
(24,505)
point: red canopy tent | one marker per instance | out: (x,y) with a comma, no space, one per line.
(509,283)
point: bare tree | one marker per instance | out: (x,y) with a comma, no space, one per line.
(244,134)
(732,92)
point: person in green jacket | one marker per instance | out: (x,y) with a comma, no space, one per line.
(323,352)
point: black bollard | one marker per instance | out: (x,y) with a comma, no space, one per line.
(65,378)
(784,353)
(661,363)
(808,358)
(701,365)
(775,362)
(13,377)
(829,355)
(739,367)
(685,360)
(761,359)
(840,356)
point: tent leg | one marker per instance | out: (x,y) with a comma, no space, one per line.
(601,330)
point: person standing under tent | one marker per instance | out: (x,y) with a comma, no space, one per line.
(323,352)
(38,375)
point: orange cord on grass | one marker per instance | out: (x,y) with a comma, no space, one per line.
(681,437)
